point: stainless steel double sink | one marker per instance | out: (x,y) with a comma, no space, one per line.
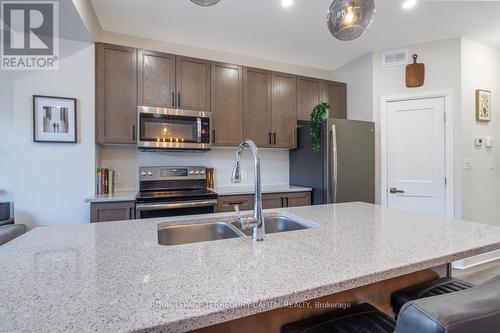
(210,231)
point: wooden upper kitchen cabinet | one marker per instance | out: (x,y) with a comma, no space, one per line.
(284,110)
(257,108)
(193,83)
(112,211)
(116,93)
(227,104)
(335,94)
(156,79)
(308,96)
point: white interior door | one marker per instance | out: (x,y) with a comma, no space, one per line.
(416,167)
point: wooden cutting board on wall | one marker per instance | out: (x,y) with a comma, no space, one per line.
(415,74)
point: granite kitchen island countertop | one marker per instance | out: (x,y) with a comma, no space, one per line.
(115,277)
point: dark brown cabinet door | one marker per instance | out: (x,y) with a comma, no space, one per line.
(308,96)
(284,110)
(257,106)
(193,84)
(156,79)
(116,97)
(227,104)
(335,94)
(226,203)
(270,201)
(297,199)
(114,211)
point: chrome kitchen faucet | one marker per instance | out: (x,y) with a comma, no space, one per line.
(257,220)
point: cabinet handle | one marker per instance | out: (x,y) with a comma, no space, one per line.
(133,133)
(235,203)
(213,135)
(179,100)
(173,99)
(274,138)
(270,140)
(286,201)
(282,202)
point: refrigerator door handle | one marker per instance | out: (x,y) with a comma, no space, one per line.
(333,185)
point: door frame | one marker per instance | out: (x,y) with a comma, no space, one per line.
(447,95)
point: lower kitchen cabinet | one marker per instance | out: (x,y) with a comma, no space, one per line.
(112,211)
(271,200)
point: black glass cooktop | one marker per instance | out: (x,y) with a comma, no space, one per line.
(175,195)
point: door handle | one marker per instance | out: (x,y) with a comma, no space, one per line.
(395,190)
(274,138)
(270,139)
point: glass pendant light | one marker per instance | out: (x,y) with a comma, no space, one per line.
(349,19)
(205,3)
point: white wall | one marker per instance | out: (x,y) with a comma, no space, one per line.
(127,160)
(480,70)
(442,72)
(50,181)
(6,114)
(358,75)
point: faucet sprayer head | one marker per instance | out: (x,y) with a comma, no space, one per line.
(236,176)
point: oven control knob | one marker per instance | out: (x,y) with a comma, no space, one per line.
(197,172)
(191,172)
(143,173)
(202,172)
(150,173)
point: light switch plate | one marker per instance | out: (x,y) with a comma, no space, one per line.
(489,141)
(468,164)
(478,141)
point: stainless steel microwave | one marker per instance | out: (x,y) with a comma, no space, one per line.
(173,129)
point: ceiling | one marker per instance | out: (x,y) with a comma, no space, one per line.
(296,35)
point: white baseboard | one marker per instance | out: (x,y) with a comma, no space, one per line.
(477,260)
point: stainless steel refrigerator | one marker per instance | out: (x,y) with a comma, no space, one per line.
(344,169)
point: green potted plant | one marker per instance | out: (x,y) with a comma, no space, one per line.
(319,114)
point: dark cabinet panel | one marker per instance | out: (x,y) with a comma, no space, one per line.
(116,93)
(193,83)
(335,94)
(156,79)
(284,110)
(308,96)
(274,200)
(257,106)
(112,211)
(227,203)
(297,199)
(227,104)
(269,201)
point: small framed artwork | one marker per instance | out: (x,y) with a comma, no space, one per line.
(54,119)
(483,105)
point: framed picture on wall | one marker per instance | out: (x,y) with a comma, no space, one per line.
(54,119)
(483,105)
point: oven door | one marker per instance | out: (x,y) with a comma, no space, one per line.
(172,129)
(179,208)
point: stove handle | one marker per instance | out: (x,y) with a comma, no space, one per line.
(174,205)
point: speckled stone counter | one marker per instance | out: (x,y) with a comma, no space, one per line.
(114,277)
(112,197)
(267,189)
(221,190)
